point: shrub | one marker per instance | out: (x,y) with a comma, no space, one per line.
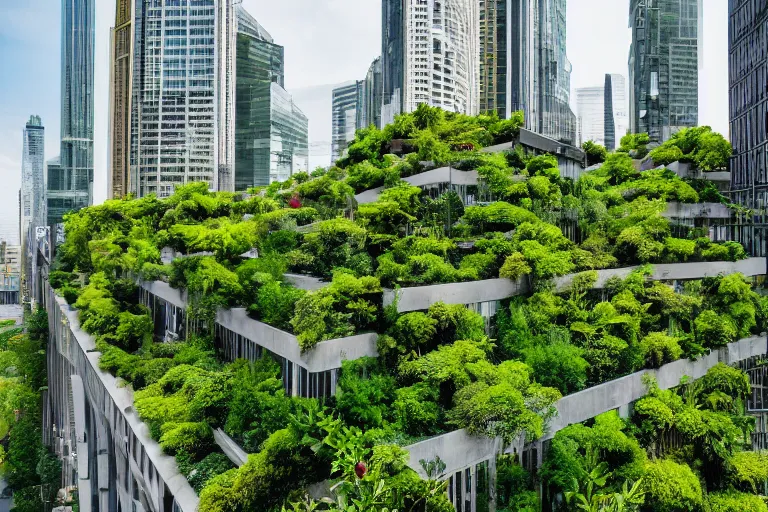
(659,349)
(665,155)
(188,437)
(671,487)
(736,502)
(715,330)
(416,410)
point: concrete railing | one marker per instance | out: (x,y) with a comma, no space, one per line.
(231,449)
(431,177)
(96,380)
(419,298)
(326,355)
(677,210)
(460,450)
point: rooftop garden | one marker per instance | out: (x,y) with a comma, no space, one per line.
(438,369)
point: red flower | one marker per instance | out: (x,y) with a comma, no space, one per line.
(294,202)
(361,469)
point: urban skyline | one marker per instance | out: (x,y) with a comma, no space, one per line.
(318,126)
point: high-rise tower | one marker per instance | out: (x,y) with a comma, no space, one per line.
(524,64)
(664,66)
(748,39)
(32,178)
(430,54)
(182,98)
(616,121)
(121,38)
(271,132)
(346,107)
(590,111)
(70,184)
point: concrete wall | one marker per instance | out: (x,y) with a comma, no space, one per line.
(303,282)
(460,450)
(419,298)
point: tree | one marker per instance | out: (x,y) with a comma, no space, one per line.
(713,152)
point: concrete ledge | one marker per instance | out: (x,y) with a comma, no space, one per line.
(326,355)
(423,179)
(677,210)
(308,283)
(231,449)
(420,298)
(460,450)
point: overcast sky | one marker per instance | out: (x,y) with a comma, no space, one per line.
(326,42)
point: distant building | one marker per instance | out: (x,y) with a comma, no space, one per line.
(345,108)
(590,108)
(10,273)
(524,64)
(616,110)
(271,132)
(72,187)
(430,54)
(120,70)
(182,96)
(748,66)
(32,178)
(664,66)
(370,111)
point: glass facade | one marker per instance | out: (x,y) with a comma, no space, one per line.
(392,59)
(748,99)
(590,107)
(664,66)
(616,110)
(120,101)
(430,54)
(370,112)
(271,132)
(32,178)
(181,95)
(524,65)
(346,104)
(76,157)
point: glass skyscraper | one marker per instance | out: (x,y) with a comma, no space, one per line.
(345,108)
(524,64)
(271,132)
(664,66)
(32,178)
(590,112)
(616,110)
(182,104)
(71,185)
(121,37)
(370,113)
(430,54)
(748,99)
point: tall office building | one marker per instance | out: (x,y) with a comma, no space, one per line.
(183,95)
(121,37)
(430,54)
(345,109)
(664,66)
(370,110)
(524,64)
(70,184)
(616,110)
(748,99)
(32,178)
(590,108)
(271,132)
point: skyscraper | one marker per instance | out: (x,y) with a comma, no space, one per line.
(430,54)
(271,132)
(616,110)
(748,66)
(345,109)
(524,64)
(32,178)
(121,37)
(590,108)
(664,66)
(183,99)
(71,186)
(370,111)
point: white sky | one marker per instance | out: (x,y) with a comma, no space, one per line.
(326,42)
